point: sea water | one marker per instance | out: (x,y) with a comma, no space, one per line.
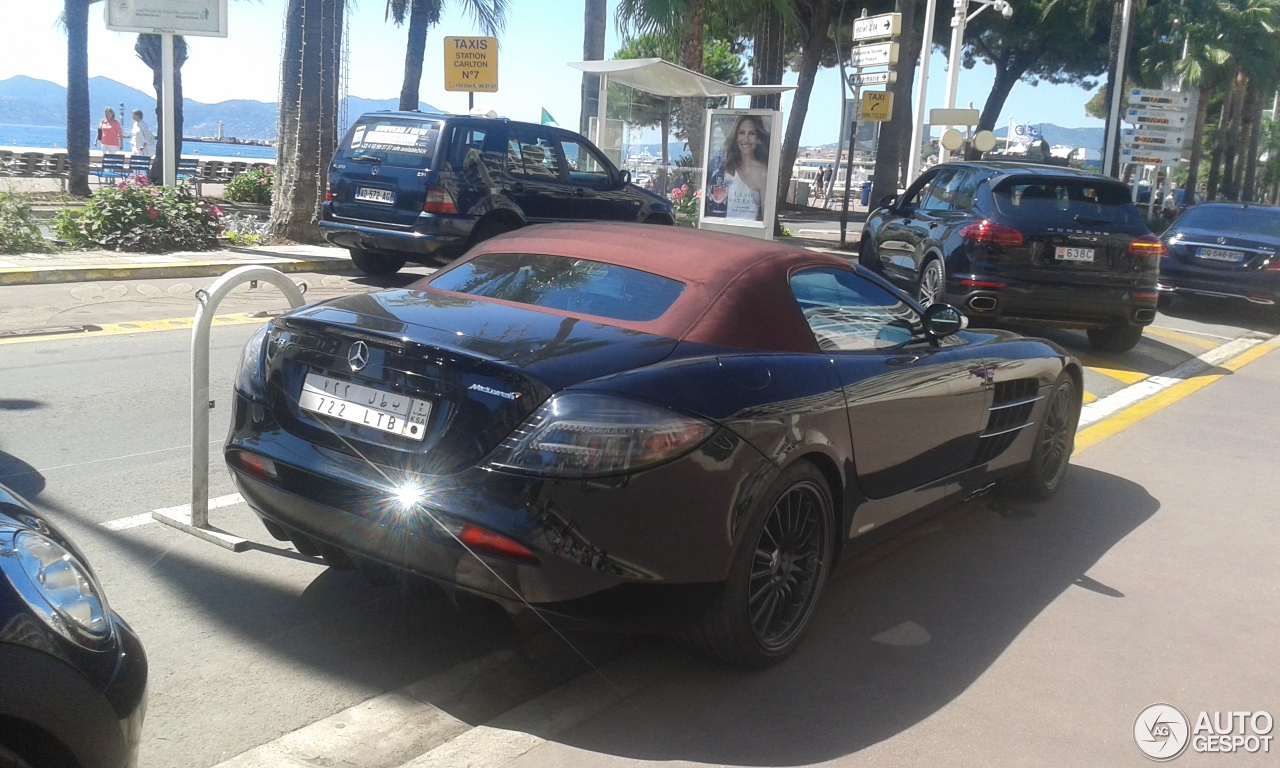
(55,136)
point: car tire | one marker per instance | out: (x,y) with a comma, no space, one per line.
(375,264)
(1115,338)
(931,286)
(749,632)
(11,759)
(1164,301)
(488,228)
(867,258)
(1055,440)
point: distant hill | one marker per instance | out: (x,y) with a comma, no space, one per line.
(1090,138)
(28,101)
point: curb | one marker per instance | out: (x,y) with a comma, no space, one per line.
(48,275)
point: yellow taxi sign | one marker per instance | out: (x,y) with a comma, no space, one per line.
(877,106)
(471,64)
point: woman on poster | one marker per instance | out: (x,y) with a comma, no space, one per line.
(744,172)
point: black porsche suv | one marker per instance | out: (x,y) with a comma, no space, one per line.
(1022,243)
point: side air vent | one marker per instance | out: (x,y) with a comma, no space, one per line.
(1009,414)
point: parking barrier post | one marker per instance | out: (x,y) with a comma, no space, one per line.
(196,522)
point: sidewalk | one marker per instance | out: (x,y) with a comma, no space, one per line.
(82,266)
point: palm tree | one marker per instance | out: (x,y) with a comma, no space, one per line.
(148,48)
(308,124)
(490,15)
(75,17)
(595,13)
(688,17)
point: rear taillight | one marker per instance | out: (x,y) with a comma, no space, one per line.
(988,284)
(1274,266)
(990,232)
(328,193)
(1146,246)
(439,201)
(480,541)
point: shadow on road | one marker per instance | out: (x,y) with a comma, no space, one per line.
(903,629)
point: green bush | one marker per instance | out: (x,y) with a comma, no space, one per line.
(137,217)
(18,233)
(251,187)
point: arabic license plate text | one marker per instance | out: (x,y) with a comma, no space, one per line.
(358,404)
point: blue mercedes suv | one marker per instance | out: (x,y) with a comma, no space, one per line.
(419,187)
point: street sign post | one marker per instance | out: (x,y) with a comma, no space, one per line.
(1172,117)
(1140,97)
(875,55)
(872,78)
(1132,138)
(877,106)
(191,18)
(1145,156)
(877,27)
(471,64)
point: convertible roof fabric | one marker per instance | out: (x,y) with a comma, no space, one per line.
(737,290)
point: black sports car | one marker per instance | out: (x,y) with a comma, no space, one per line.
(637,423)
(1020,242)
(73,675)
(1224,250)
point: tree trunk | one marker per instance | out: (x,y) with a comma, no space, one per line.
(1197,141)
(308,116)
(593,32)
(1246,126)
(78,124)
(767,62)
(1249,191)
(894,147)
(691,45)
(1219,139)
(423,14)
(156,173)
(815,39)
(1229,148)
(663,187)
(1117,25)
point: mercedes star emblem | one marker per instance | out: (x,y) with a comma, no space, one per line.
(358,357)
(1222,241)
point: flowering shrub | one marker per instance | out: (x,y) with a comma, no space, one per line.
(132,216)
(685,202)
(251,187)
(18,233)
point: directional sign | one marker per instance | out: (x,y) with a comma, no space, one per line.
(1149,156)
(872,78)
(1130,137)
(965,117)
(876,55)
(877,27)
(877,106)
(1151,97)
(1155,129)
(1156,117)
(192,18)
(471,64)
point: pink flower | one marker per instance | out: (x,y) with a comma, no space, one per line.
(155,192)
(153,214)
(697,193)
(216,211)
(677,194)
(122,186)
(684,187)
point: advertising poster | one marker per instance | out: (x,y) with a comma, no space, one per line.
(742,153)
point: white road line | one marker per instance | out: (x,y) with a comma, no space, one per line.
(1114,403)
(1196,333)
(134,521)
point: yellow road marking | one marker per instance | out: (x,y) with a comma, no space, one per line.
(1128,377)
(140,326)
(1089,397)
(1185,338)
(1121,421)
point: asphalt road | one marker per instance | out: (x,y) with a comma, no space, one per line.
(1040,627)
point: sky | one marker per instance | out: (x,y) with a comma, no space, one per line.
(541,37)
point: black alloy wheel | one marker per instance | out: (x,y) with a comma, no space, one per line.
(1055,440)
(375,264)
(931,283)
(777,574)
(1115,338)
(867,252)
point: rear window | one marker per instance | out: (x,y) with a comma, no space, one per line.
(1234,219)
(394,141)
(557,282)
(1075,201)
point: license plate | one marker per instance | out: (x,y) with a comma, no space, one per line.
(1220,254)
(1073,254)
(371,195)
(371,407)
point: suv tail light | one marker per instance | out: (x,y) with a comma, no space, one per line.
(990,232)
(439,201)
(328,193)
(1274,266)
(1146,246)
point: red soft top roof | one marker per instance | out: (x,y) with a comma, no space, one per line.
(737,290)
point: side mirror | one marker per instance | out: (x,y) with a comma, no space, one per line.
(942,320)
(887,202)
(624,178)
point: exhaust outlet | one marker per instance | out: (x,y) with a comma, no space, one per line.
(982,303)
(1144,315)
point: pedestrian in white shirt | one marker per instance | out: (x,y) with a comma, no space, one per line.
(144,141)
